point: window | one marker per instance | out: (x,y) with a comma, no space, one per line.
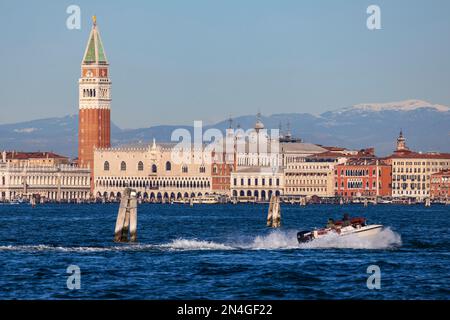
(123,166)
(140,166)
(106,166)
(154,168)
(184,169)
(214,169)
(168,166)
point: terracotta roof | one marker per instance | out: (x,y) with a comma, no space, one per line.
(13,155)
(364,162)
(329,154)
(442,173)
(333,148)
(407,154)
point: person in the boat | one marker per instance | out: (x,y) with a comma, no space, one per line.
(330,224)
(346,220)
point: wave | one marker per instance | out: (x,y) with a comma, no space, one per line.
(275,240)
(175,245)
(184,244)
(43,247)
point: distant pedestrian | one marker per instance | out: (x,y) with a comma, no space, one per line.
(330,224)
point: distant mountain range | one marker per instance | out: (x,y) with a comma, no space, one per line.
(425,125)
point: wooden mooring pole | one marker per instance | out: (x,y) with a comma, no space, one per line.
(274,214)
(126,223)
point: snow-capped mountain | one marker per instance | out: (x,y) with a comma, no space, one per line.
(407,105)
(426,126)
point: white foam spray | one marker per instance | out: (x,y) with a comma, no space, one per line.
(185,244)
(275,240)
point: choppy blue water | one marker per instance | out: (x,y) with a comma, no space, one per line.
(221,252)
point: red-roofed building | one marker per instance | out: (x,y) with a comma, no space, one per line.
(43,176)
(223,164)
(412,171)
(363,177)
(440,185)
(33,158)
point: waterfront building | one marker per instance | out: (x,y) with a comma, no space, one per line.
(221,173)
(224,162)
(94,100)
(281,155)
(412,171)
(258,149)
(158,172)
(262,160)
(440,185)
(60,182)
(312,176)
(256,183)
(45,159)
(363,177)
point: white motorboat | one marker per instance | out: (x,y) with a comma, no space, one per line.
(206,199)
(12,202)
(357,227)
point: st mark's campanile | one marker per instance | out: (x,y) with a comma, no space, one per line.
(94,130)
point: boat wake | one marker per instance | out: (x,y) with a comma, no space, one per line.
(191,245)
(275,240)
(50,248)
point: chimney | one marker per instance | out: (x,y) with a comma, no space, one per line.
(4,156)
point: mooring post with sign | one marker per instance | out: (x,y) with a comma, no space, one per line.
(126,223)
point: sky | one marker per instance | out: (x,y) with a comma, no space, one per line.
(173,62)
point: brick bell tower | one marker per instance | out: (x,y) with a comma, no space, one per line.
(94,129)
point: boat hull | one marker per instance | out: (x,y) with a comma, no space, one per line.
(362,232)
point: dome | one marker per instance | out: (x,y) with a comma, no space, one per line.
(259,125)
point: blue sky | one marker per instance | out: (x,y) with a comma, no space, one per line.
(176,61)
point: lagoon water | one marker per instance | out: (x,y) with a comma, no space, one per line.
(221,252)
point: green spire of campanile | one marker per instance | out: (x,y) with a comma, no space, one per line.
(94,54)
